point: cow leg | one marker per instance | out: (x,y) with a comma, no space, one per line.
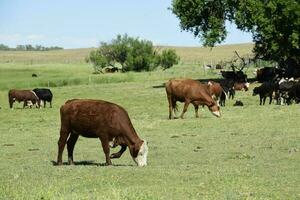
(50,104)
(105,146)
(64,133)
(24,104)
(260,99)
(170,107)
(186,104)
(44,103)
(264,100)
(70,146)
(119,154)
(196,110)
(270,99)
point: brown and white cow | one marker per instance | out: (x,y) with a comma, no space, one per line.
(99,119)
(217,92)
(190,91)
(22,95)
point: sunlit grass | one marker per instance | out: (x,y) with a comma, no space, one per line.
(251,152)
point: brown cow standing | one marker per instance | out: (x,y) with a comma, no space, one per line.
(99,119)
(217,92)
(189,91)
(22,95)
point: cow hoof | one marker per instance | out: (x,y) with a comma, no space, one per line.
(71,163)
(108,164)
(59,163)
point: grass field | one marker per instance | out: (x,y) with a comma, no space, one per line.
(251,152)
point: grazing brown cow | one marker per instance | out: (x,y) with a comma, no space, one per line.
(22,95)
(241,86)
(99,119)
(237,87)
(217,92)
(189,91)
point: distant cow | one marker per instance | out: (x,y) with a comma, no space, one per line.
(217,92)
(266,74)
(22,95)
(282,89)
(44,95)
(99,119)
(111,69)
(265,90)
(238,76)
(189,91)
(33,75)
(294,93)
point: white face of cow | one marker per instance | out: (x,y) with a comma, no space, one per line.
(247,85)
(216,113)
(141,159)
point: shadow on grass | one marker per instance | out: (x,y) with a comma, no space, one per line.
(90,163)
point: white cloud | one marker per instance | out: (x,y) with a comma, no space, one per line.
(6,38)
(36,37)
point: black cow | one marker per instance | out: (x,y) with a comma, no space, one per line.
(44,95)
(265,74)
(294,93)
(265,90)
(238,76)
(282,89)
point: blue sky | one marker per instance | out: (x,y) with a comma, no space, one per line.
(78,23)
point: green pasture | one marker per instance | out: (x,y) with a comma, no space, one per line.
(251,152)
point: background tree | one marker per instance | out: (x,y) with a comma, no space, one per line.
(4,47)
(132,54)
(168,58)
(274,24)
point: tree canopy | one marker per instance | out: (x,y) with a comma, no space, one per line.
(132,54)
(274,24)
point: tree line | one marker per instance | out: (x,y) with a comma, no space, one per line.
(29,47)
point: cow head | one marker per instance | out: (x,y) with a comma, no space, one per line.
(255,91)
(139,153)
(214,109)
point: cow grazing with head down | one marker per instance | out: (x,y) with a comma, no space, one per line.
(44,95)
(22,95)
(217,92)
(189,91)
(99,119)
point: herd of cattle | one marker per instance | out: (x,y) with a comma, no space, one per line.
(285,90)
(111,124)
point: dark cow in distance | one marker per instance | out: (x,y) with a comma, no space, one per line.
(266,74)
(189,91)
(294,93)
(44,95)
(22,95)
(265,90)
(238,76)
(99,119)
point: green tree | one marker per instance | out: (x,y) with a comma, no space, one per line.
(168,58)
(131,53)
(274,24)
(4,47)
